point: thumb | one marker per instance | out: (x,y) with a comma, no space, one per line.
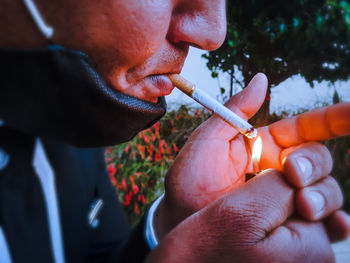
(256,208)
(245,104)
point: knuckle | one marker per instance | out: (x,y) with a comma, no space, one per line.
(242,222)
(247,220)
(335,190)
(309,249)
(326,158)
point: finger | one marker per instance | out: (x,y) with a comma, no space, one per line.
(338,226)
(300,241)
(319,200)
(306,164)
(321,124)
(250,99)
(245,104)
(257,207)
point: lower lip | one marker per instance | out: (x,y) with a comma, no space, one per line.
(162,83)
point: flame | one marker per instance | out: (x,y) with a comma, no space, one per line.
(256,155)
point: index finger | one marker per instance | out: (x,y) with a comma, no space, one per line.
(317,125)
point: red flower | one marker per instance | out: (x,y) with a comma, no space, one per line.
(179,116)
(153,137)
(127,148)
(164,143)
(113,180)
(131,179)
(124,185)
(176,149)
(172,123)
(150,151)
(138,174)
(136,189)
(156,128)
(141,150)
(127,200)
(147,138)
(348,151)
(158,157)
(143,199)
(141,134)
(111,169)
(137,209)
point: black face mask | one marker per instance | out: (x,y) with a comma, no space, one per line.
(56,94)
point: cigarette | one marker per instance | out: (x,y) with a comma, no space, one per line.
(212,105)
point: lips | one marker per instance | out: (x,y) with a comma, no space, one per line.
(159,85)
(150,80)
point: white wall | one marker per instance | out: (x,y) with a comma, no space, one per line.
(290,96)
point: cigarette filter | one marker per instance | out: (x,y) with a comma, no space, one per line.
(214,106)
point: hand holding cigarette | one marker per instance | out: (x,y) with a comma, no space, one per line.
(216,159)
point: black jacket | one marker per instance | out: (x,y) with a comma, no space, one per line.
(80,178)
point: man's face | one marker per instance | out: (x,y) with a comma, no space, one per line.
(135,43)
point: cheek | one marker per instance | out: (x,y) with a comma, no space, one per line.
(132,31)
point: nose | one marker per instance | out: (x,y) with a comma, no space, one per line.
(199,23)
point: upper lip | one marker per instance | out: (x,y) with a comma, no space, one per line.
(160,69)
(169,64)
(167,69)
(164,65)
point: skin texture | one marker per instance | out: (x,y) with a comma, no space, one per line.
(130,41)
(208,213)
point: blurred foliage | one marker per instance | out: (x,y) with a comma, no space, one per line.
(284,38)
(137,168)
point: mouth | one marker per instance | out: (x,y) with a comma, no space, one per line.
(159,85)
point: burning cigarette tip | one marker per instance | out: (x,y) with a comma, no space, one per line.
(252,133)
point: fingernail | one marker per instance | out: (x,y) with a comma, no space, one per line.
(316,202)
(305,167)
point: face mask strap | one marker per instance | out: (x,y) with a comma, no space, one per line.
(46,30)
